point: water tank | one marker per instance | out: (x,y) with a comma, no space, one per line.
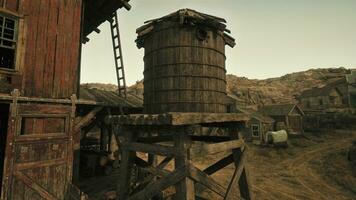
(184,62)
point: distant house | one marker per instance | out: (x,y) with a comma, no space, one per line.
(258,125)
(332,95)
(286,116)
(351,80)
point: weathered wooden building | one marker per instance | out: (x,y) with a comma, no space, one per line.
(40,50)
(332,95)
(286,116)
(257,126)
(351,80)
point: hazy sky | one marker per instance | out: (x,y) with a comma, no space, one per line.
(273,38)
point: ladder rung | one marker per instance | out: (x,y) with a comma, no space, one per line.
(116,36)
(114,26)
(119,68)
(121,78)
(119,57)
(116,47)
(111,20)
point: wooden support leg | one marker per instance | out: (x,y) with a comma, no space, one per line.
(243,182)
(185,188)
(104,137)
(127,161)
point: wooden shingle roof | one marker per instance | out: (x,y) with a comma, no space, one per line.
(280,109)
(188,17)
(323,91)
(257,115)
(109,98)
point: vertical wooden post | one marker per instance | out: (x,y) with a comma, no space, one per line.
(243,182)
(184,189)
(76,142)
(127,161)
(104,137)
(8,159)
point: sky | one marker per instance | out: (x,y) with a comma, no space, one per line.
(274,37)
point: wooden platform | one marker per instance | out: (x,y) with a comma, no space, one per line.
(178,119)
(172,136)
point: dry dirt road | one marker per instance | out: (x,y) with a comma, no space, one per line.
(312,167)
(302,170)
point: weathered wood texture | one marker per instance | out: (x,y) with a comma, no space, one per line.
(185,175)
(38,162)
(182,72)
(177,119)
(50,46)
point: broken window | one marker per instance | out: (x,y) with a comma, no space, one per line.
(8,40)
(255,130)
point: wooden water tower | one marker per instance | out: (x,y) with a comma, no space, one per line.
(184,62)
(185,93)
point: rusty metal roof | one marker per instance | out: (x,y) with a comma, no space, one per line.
(109,98)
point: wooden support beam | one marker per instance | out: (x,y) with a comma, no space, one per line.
(209,149)
(147,167)
(126,4)
(29,182)
(97,30)
(158,171)
(219,165)
(164,162)
(154,188)
(204,179)
(177,119)
(155,139)
(87,119)
(185,189)
(238,155)
(150,148)
(127,161)
(234,180)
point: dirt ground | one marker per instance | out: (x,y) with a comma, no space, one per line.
(312,167)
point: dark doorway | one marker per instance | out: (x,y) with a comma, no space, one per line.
(4,117)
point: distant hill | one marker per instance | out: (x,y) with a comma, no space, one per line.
(268,91)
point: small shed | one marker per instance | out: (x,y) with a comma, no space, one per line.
(286,116)
(258,125)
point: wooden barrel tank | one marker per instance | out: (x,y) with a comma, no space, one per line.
(184,63)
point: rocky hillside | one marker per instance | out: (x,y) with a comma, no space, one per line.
(283,89)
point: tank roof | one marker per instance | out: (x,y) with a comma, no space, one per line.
(189,17)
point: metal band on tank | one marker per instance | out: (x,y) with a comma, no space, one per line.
(177,76)
(183,46)
(151,67)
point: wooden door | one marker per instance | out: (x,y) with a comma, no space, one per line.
(39,153)
(295,123)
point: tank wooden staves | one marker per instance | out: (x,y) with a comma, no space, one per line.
(184,63)
(146,133)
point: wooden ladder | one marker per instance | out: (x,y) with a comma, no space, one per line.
(119,63)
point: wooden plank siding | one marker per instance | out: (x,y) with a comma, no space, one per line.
(51,46)
(39,160)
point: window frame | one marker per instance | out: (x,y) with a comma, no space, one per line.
(16,19)
(253,131)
